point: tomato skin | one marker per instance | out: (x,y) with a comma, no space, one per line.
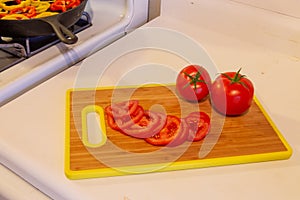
(122,109)
(182,135)
(112,123)
(172,134)
(156,128)
(232,98)
(193,83)
(198,125)
(147,126)
(123,114)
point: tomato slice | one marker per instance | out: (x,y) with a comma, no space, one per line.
(122,109)
(182,135)
(131,119)
(172,134)
(112,123)
(126,120)
(198,126)
(150,124)
(123,114)
(156,128)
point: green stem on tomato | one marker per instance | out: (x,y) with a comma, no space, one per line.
(194,79)
(237,78)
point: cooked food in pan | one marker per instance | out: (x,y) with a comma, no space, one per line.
(27,9)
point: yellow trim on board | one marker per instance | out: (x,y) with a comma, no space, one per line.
(67,138)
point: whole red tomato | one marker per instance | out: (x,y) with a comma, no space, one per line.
(232,93)
(193,83)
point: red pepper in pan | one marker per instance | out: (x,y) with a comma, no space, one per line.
(72,3)
(28,11)
(64,5)
(58,5)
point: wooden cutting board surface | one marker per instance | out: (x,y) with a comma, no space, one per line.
(244,139)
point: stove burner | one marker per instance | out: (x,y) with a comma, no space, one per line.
(15,50)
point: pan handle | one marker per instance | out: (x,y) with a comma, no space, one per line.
(62,32)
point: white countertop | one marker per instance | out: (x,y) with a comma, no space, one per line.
(265,44)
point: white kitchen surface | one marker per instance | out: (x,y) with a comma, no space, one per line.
(289,7)
(264,43)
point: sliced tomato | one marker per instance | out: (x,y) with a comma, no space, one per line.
(172,134)
(112,123)
(198,125)
(150,124)
(130,120)
(122,109)
(182,134)
(125,122)
(156,128)
(124,114)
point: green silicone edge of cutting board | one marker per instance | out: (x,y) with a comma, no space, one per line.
(164,167)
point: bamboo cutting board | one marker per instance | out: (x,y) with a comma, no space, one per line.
(244,139)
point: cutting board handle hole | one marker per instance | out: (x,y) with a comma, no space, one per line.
(94,132)
(93,126)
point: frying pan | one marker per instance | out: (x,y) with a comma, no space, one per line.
(57,24)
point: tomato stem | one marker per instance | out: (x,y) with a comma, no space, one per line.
(237,78)
(194,79)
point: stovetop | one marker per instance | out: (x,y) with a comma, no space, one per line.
(111,20)
(15,50)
